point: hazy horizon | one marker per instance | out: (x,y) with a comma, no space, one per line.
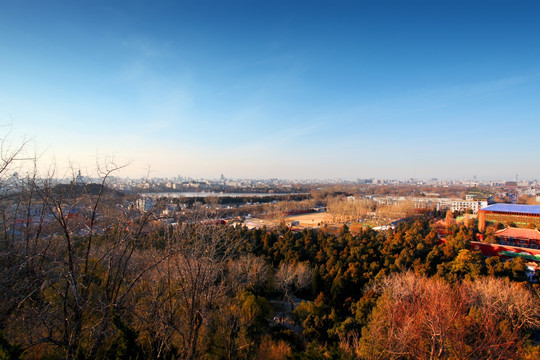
(280,89)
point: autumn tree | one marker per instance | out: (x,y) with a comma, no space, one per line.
(427,318)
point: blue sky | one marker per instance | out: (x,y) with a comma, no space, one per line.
(289,89)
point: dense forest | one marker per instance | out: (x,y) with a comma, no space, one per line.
(88,278)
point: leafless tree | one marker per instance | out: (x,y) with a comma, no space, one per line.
(71,264)
(183,292)
(291,278)
(346,209)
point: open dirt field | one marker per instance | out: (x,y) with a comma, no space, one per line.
(311,220)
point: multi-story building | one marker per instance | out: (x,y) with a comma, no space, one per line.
(473,205)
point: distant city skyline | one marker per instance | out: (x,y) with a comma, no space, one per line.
(277,89)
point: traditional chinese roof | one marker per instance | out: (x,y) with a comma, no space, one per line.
(518,233)
(513,208)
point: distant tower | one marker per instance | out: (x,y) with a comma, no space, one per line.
(79,179)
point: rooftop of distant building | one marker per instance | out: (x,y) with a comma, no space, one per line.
(517,233)
(513,208)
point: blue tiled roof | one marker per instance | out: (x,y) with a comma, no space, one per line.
(529,209)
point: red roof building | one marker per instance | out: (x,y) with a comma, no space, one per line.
(529,238)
